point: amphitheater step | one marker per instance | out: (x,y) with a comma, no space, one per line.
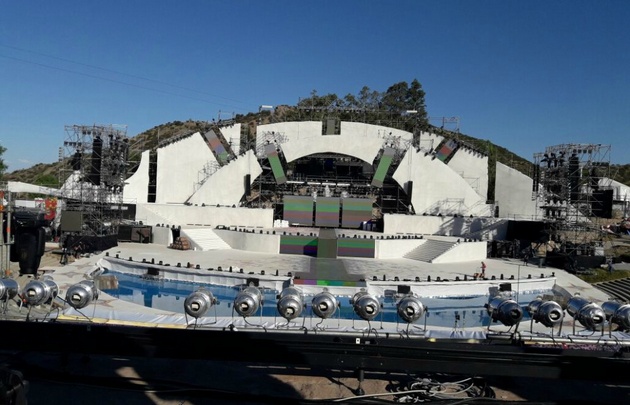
(618,289)
(429,250)
(204,239)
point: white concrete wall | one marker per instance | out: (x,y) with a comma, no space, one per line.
(137,185)
(252,242)
(178,167)
(161,235)
(476,227)
(464,252)
(176,214)
(351,143)
(292,131)
(437,188)
(513,194)
(395,248)
(232,135)
(429,140)
(359,140)
(473,167)
(227,185)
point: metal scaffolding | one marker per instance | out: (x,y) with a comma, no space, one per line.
(94,172)
(569,192)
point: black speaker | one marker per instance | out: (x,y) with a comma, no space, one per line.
(403,289)
(602,203)
(95,168)
(409,191)
(574,178)
(248,186)
(71,221)
(76,161)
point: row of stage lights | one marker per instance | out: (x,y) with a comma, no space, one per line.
(45,291)
(409,308)
(291,304)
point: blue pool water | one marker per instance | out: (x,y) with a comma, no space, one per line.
(169,295)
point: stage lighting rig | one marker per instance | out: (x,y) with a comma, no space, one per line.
(548,313)
(504,310)
(365,305)
(39,292)
(410,308)
(82,294)
(248,301)
(199,302)
(617,313)
(588,314)
(9,288)
(290,303)
(324,304)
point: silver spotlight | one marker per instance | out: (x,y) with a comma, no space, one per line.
(589,314)
(617,313)
(365,306)
(504,310)
(82,294)
(549,313)
(9,288)
(248,301)
(199,302)
(290,303)
(38,292)
(324,304)
(409,308)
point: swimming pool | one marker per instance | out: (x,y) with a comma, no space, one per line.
(169,295)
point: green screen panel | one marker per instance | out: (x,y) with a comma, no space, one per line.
(383,167)
(276,165)
(298,210)
(298,245)
(355,211)
(327,212)
(356,247)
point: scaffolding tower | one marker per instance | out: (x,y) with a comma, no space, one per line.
(569,192)
(94,169)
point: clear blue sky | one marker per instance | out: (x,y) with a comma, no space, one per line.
(523,74)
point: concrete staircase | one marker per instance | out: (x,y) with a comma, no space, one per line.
(429,250)
(204,239)
(619,289)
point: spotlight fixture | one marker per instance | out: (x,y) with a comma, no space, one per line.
(248,301)
(81,294)
(9,288)
(38,292)
(365,306)
(549,313)
(617,313)
(290,303)
(324,304)
(199,302)
(410,309)
(504,310)
(588,314)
